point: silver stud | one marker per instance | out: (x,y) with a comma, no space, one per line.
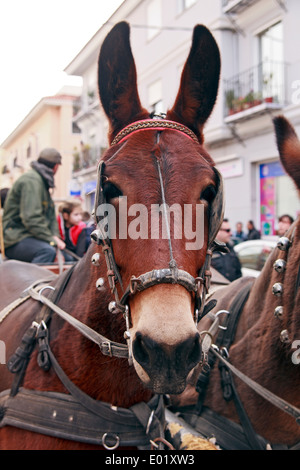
(96,237)
(127,335)
(280,265)
(96,259)
(113,308)
(278,313)
(277,289)
(100,283)
(284,337)
(283,243)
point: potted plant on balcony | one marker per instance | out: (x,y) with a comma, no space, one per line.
(248,100)
(230,98)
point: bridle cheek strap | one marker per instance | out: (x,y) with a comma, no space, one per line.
(198,286)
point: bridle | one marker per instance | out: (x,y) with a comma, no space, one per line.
(198,286)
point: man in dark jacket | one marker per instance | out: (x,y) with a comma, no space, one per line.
(29,221)
(228,264)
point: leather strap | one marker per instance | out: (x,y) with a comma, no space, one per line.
(107,347)
(62,416)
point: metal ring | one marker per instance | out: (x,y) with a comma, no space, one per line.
(115,446)
(43,288)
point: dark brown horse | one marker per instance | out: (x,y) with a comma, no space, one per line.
(266,345)
(149,162)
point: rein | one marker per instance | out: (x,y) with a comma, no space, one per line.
(220,351)
(77,417)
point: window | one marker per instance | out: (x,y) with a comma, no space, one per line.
(184,4)
(271,60)
(154,18)
(155,97)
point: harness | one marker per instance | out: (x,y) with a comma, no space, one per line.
(198,286)
(77,416)
(230,435)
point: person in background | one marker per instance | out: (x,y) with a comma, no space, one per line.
(228,264)
(3,194)
(90,226)
(239,235)
(72,229)
(284,223)
(30,229)
(253,233)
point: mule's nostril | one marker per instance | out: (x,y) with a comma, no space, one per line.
(140,350)
(195,352)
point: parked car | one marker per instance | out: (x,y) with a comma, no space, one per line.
(253,255)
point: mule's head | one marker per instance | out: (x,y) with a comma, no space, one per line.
(143,170)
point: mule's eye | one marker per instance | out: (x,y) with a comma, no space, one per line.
(209,193)
(111,192)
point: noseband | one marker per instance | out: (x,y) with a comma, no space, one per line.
(198,286)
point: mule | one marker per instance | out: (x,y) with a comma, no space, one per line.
(147,331)
(265,346)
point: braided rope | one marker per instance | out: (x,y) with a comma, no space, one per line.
(153,124)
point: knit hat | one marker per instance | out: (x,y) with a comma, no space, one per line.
(50,157)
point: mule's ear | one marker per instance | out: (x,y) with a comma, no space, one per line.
(288,147)
(199,82)
(117,80)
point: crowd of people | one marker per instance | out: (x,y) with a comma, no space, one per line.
(33,231)
(228,264)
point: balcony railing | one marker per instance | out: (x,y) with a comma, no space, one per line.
(236,6)
(86,157)
(260,85)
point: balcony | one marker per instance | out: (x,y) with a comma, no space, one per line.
(87,157)
(236,6)
(255,91)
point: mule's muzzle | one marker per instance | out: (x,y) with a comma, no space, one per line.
(167,366)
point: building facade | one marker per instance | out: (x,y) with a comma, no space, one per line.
(48,124)
(260,78)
